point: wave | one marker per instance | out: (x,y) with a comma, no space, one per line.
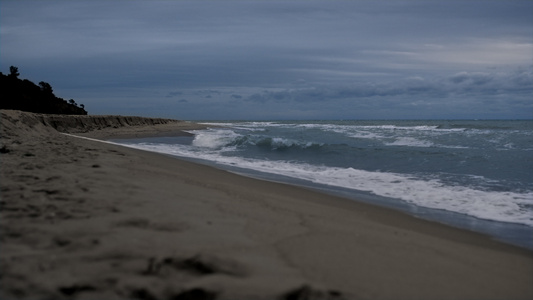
(416,135)
(256,134)
(411,142)
(229,140)
(215,138)
(336,126)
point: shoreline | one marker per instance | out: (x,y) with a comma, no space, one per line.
(86,218)
(512,233)
(509,233)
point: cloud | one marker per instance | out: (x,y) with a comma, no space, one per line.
(462,83)
(306,58)
(475,78)
(173,94)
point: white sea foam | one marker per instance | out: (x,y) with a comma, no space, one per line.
(431,193)
(214,138)
(279,143)
(411,142)
(228,140)
(361,134)
(384,133)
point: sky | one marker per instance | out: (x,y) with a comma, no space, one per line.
(259,60)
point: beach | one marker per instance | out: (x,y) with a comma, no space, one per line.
(85,219)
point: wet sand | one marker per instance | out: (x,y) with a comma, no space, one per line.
(82,219)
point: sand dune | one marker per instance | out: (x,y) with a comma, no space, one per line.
(82,219)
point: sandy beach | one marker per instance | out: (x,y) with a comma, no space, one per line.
(83,219)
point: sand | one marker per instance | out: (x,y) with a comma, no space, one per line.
(82,219)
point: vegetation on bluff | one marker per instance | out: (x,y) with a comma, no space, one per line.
(22,94)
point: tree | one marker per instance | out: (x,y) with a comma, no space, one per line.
(27,96)
(46,88)
(14,72)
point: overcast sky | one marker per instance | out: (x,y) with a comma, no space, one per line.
(278,60)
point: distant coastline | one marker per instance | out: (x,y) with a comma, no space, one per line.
(98,125)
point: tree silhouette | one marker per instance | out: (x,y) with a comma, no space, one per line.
(46,88)
(22,94)
(14,72)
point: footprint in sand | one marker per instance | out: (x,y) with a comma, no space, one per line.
(306,292)
(198,265)
(142,223)
(189,294)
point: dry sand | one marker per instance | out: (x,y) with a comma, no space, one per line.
(83,219)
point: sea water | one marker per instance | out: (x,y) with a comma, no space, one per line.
(472,174)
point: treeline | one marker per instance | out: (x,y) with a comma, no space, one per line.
(22,94)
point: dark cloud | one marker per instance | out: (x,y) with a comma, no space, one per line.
(462,93)
(173,94)
(475,78)
(460,83)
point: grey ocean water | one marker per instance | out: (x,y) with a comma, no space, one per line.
(472,174)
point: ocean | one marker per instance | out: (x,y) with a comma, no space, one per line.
(475,174)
